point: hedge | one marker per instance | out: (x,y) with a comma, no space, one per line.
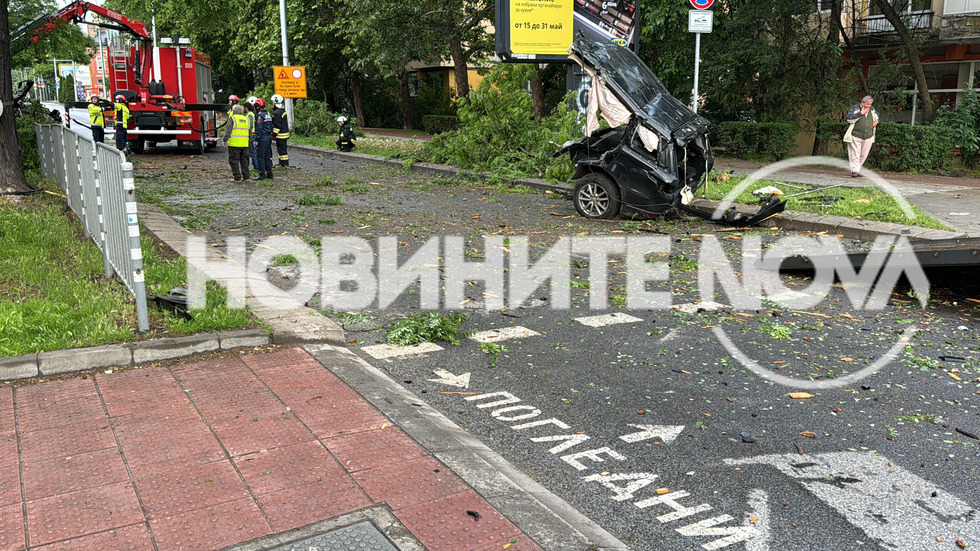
(899,147)
(769,140)
(436,124)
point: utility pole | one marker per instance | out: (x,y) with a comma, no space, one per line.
(285,60)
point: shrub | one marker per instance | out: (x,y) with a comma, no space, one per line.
(905,148)
(436,124)
(963,125)
(768,140)
(498,132)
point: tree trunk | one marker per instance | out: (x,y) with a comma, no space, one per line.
(928,113)
(358,90)
(835,27)
(11,173)
(406,97)
(459,67)
(537,93)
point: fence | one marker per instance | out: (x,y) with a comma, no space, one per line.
(99,185)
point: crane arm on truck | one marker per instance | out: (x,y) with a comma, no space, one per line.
(32,31)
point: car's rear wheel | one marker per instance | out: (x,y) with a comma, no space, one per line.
(596,196)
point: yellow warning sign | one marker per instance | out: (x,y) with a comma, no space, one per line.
(290,81)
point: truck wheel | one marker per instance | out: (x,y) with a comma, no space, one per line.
(139,145)
(596,196)
(200,147)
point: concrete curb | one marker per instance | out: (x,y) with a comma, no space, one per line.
(850,228)
(59,362)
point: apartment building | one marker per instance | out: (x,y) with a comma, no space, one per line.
(950,48)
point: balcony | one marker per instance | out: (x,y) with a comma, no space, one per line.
(876,30)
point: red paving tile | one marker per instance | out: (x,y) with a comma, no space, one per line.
(288,467)
(67,516)
(12,527)
(55,390)
(410,482)
(316,389)
(249,435)
(136,402)
(156,423)
(90,435)
(445,524)
(6,408)
(128,392)
(210,368)
(226,407)
(367,450)
(127,538)
(73,473)
(57,412)
(303,505)
(199,487)
(213,527)
(288,356)
(328,422)
(173,452)
(9,476)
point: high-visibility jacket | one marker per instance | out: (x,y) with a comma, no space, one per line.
(240,131)
(122,115)
(95,115)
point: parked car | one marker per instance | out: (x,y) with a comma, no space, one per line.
(654,156)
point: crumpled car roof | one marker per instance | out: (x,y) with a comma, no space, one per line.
(635,85)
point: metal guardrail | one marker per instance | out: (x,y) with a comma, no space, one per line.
(877,24)
(100,188)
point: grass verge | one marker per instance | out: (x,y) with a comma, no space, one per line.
(864,203)
(383,147)
(54,294)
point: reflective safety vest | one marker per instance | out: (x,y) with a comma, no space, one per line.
(239,132)
(122,115)
(95,115)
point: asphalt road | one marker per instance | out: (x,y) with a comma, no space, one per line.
(646,421)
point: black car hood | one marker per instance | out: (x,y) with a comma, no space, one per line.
(637,87)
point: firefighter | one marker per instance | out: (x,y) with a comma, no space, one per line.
(280,129)
(262,141)
(347,141)
(122,124)
(250,113)
(232,102)
(238,134)
(96,119)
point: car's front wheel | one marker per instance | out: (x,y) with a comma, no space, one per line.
(596,196)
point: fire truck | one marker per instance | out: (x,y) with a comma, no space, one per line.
(168,88)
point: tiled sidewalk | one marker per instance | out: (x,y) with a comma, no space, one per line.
(210,453)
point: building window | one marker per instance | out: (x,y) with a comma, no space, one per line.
(961,6)
(824,5)
(909,6)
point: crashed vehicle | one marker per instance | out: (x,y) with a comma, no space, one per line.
(654,156)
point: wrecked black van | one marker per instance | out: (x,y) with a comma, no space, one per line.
(654,156)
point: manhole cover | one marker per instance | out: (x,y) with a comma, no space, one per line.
(362,536)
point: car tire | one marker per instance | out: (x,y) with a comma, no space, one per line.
(596,196)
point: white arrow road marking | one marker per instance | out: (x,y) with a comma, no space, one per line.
(385,351)
(607,319)
(759,510)
(497,335)
(666,433)
(891,505)
(447,378)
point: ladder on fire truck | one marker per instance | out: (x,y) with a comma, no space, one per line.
(118,59)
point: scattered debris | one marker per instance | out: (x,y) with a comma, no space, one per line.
(800,395)
(747,438)
(808,434)
(968,434)
(474,514)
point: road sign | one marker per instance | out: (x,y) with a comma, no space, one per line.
(290,81)
(700,21)
(702,4)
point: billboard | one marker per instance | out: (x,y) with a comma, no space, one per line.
(541,30)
